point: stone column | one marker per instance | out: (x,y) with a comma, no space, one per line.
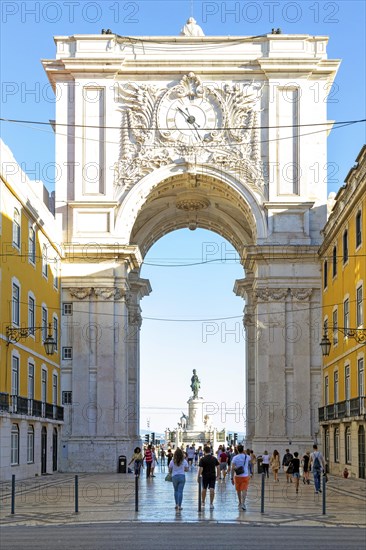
(244,289)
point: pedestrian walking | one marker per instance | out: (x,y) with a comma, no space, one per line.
(177,467)
(275,464)
(317,465)
(295,463)
(209,472)
(148,457)
(253,461)
(306,468)
(137,460)
(162,459)
(154,461)
(223,464)
(265,463)
(287,457)
(240,475)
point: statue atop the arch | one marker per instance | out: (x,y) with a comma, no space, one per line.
(191,28)
(195,384)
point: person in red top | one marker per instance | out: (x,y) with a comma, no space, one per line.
(148,457)
(223,460)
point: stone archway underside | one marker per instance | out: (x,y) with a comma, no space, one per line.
(194,200)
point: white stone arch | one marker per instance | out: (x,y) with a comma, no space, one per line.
(139,194)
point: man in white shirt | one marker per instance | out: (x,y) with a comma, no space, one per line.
(240,469)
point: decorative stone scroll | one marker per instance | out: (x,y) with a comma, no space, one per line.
(233,147)
(80,293)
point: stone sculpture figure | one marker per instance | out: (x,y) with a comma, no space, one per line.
(195,384)
(183,420)
(192,29)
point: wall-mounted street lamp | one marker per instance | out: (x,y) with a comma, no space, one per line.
(15,334)
(358,334)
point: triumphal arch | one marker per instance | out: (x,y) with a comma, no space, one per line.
(155,134)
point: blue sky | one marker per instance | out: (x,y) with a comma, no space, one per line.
(196,292)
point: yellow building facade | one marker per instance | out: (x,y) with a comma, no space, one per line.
(343,254)
(31,414)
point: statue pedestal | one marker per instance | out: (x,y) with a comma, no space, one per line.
(195,421)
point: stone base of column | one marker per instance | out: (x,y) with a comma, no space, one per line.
(83,454)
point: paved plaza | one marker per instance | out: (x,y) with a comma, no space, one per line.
(49,500)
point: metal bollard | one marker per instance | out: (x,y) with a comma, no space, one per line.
(262,493)
(199,494)
(324,495)
(76,494)
(136,492)
(13,494)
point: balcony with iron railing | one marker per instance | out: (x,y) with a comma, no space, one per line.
(349,408)
(17,404)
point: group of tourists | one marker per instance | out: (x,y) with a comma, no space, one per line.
(295,468)
(236,463)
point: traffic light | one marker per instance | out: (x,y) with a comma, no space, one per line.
(147,438)
(153,437)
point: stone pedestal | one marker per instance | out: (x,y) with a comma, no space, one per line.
(195,414)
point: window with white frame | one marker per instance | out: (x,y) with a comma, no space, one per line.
(44,322)
(361,377)
(54,389)
(345,246)
(326,390)
(15,304)
(31,315)
(336,445)
(346,316)
(44,261)
(347,382)
(56,276)
(359,306)
(334,262)
(67,308)
(30,444)
(335,386)
(14,445)
(347,444)
(335,326)
(67,397)
(325,274)
(16,228)
(32,245)
(44,386)
(67,353)
(358,229)
(15,375)
(55,331)
(30,380)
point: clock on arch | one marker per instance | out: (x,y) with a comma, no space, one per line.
(190,113)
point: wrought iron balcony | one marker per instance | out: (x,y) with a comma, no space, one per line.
(343,409)
(22,405)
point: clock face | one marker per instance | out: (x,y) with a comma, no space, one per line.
(189,121)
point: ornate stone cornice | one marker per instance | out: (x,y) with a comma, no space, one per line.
(80,293)
(301,294)
(271,294)
(107,293)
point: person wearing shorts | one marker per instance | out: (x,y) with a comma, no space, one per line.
(209,471)
(241,480)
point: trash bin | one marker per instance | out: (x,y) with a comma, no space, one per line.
(122,464)
(259,465)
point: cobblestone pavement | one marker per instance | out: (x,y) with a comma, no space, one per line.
(49,500)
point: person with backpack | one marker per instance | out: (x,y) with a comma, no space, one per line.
(317,465)
(286,461)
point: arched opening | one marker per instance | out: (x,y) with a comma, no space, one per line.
(192,320)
